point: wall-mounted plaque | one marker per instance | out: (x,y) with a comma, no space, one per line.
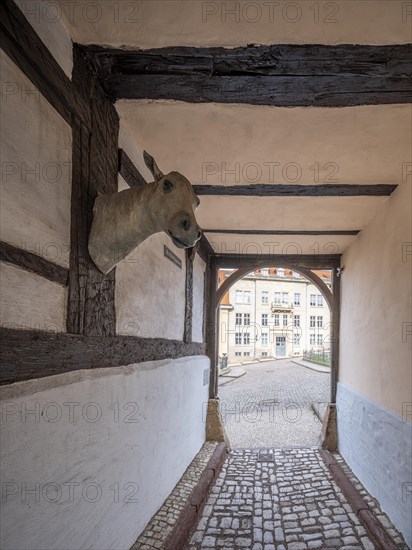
(172,257)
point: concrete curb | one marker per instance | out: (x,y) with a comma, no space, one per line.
(312,366)
(191,513)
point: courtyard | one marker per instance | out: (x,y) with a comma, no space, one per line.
(274,404)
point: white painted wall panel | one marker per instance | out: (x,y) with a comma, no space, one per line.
(133,431)
(36,169)
(199,267)
(150,291)
(29,301)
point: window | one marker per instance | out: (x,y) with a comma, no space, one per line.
(265,339)
(238,338)
(285,320)
(312,300)
(246,338)
(264,353)
(296,275)
(320,339)
(265,271)
(320,300)
(246,353)
(296,339)
(312,340)
(246,319)
(296,299)
(277,320)
(278,297)
(265,297)
(296,321)
(285,297)
(238,318)
(238,353)
(264,319)
(280,272)
(312,321)
(320,321)
(242,297)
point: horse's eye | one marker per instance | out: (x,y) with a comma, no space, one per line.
(167,185)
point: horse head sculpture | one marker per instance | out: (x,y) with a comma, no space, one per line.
(122,221)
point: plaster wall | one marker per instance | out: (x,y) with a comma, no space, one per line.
(150,291)
(49,22)
(375,376)
(36,169)
(31,302)
(156,23)
(199,267)
(111,444)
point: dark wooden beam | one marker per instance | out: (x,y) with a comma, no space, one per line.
(280,190)
(27,354)
(309,261)
(21,43)
(278,75)
(281,232)
(188,322)
(34,263)
(129,172)
(91,307)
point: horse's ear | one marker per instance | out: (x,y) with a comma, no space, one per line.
(151,164)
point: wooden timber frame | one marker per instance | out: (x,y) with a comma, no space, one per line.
(244,264)
(91,340)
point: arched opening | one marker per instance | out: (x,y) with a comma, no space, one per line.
(274,354)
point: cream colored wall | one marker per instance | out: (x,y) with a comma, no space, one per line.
(156,23)
(199,267)
(375,356)
(36,169)
(48,21)
(28,301)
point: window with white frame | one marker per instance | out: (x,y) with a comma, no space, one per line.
(278,297)
(265,338)
(296,320)
(280,272)
(319,339)
(277,320)
(320,321)
(264,319)
(239,297)
(285,320)
(264,353)
(312,300)
(238,338)
(246,319)
(265,297)
(296,339)
(312,339)
(246,353)
(246,338)
(265,271)
(296,298)
(285,297)
(246,297)
(242,296)
(238,353)
(320,300)
(238,319)
(296,275)
(312,321)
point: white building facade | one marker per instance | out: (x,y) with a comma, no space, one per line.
(274,313)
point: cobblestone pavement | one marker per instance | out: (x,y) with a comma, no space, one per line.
(283,499)
(272,405)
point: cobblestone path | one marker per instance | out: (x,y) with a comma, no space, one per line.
(283,499)
(271,405)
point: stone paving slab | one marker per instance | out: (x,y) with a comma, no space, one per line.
(278,499)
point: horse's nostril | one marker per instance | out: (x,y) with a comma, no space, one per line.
(185,225)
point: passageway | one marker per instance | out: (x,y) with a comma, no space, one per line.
(274,404)
(283,499)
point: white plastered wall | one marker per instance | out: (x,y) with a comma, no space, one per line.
(111,444)
(375,373)
(199,267)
